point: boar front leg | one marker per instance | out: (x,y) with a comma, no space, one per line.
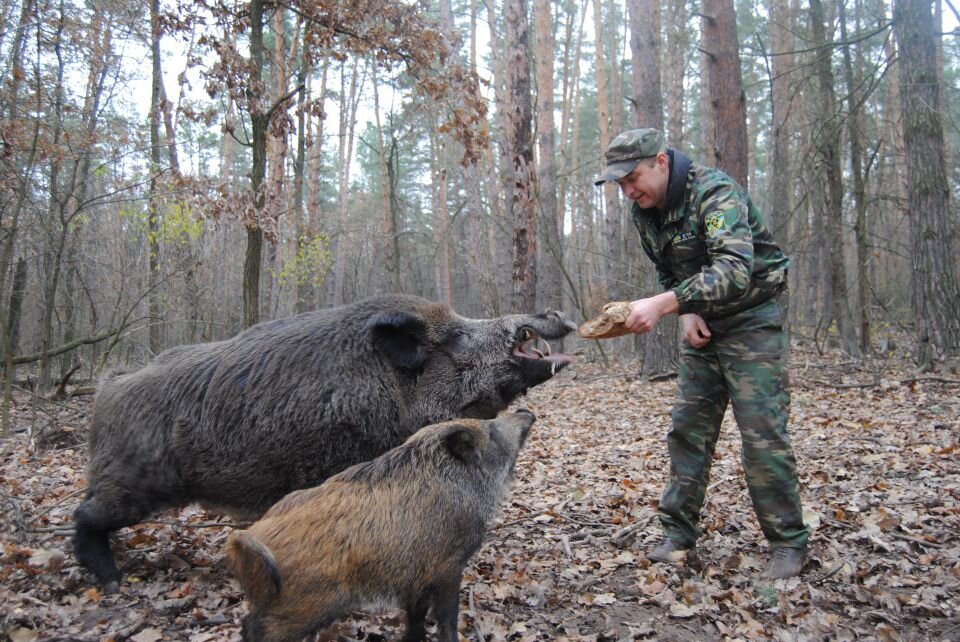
(444,599)
(107,508)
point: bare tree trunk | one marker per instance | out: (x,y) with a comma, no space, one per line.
(855,134)
(516,23)
(304,294)
(725,87)
(441,218)
(276,164)
(348,119)
(607,288)
(827,142)
(934,233)
(783,104)
(153,225)
(647,101)
(314,166)
(551,220)
(259,121)
(676,56)
(658,348)
(388,232)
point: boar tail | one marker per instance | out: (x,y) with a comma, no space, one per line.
(255,567)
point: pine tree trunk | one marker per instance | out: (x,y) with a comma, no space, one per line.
(551,220)
(827,142)
(725,87)
(933,231)
(517,49)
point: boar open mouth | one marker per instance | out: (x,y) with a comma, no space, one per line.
(530,345)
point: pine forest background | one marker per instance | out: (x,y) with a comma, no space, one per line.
(174,172)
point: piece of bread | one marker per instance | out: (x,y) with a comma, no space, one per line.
(609,323)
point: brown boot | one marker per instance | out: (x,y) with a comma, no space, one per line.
(668,551)
(785,562)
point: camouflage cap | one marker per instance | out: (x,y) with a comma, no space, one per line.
(626,150)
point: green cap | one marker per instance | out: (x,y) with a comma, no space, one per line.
(626,150)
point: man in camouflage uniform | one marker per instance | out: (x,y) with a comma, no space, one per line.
(722,273)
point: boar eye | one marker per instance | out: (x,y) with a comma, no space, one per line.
(458,339)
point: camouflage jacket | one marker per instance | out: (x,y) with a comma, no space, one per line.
(711,245)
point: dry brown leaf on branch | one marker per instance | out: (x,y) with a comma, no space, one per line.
(609,324)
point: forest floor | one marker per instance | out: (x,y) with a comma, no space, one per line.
(879,459)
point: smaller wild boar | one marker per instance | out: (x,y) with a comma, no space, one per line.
(396,531)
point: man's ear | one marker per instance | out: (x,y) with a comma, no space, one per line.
(463,444)
(400,337)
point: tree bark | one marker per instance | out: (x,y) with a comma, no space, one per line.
(827,143)
(855,135)
(259,120)
(551,219)
(647,100)
(607,289)
(520,115)
(725,88)
(933,232)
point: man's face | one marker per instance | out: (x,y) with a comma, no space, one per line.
(647,185)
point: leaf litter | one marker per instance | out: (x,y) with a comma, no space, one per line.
(880,480)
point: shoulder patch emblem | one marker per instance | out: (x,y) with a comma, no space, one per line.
(715,223)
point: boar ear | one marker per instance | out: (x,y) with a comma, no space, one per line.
(462,443)
(399,336)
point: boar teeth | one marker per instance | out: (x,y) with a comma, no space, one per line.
(544,347)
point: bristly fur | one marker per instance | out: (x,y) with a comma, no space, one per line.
(395,531)
(238,424)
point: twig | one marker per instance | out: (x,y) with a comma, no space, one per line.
(915,540)
(59,530)
(833,571)
(166,522)
(66,497)
(576,537)
(623,537)
(721,481)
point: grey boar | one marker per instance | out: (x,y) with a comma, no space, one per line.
(393,532)
(238,424)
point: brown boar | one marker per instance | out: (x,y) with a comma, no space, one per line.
(393,532)
(238,424)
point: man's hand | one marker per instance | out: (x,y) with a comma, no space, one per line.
(646,313)
(695,330)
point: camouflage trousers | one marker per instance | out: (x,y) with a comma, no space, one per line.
(744,363)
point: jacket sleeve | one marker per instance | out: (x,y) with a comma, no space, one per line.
(723,215)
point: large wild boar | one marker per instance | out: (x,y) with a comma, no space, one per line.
(393,532)
(238,424)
